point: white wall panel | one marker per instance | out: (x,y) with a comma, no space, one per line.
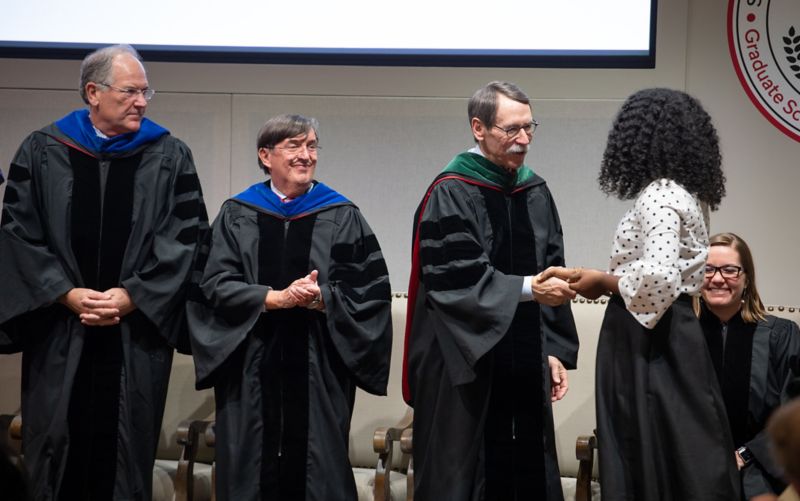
(24,111)
(202,121)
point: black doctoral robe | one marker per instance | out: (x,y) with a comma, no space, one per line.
(285,380)
(476,368)
(76,218)
(753,365)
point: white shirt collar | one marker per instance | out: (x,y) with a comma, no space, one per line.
(99,134)
(281,195)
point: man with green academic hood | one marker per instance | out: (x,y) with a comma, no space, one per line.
(486,342)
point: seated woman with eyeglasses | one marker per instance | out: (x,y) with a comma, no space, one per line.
(751,353)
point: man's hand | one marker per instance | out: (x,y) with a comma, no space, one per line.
(278,300)
(567,274)
(121,300)
(558,379)
(303,292)
(739,460)
(97,308)
(552,291)
(764,497)
(74,299)
(316,302)
(587,282)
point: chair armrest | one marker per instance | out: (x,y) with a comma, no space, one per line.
(383,438)
(407,440)
(210,436)
(383,444)
(11,432)
(15,428)
(7,435)
(189,434)
(11,437)
(211,441)
(585,446)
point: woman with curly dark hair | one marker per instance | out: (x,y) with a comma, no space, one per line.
(660,411)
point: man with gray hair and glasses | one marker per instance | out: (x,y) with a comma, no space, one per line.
(486,341)
(295,313)
(100,225)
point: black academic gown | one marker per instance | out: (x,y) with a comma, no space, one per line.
(285,380)
(476,358)
(753,370)
(59,231)
(660,414)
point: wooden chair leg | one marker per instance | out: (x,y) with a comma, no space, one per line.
(584,452)
(183,477)
(214,481)
(189,437)
(211,441)
(383,444)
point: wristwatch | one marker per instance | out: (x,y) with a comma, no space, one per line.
(745,454)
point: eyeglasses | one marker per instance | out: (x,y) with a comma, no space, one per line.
(293,148)
(514,130)
(131,92)
(727,271)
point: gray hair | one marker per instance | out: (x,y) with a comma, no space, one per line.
(97,66)
(483,104)
(281,127)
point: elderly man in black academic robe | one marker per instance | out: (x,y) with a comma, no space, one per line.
(100,224)
(486,340)
(295,313)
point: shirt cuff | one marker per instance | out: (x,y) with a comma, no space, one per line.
(527,291)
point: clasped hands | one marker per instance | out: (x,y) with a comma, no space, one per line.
(303,292)
(98,309)
(587,282)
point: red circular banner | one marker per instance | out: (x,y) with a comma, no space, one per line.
(764,43)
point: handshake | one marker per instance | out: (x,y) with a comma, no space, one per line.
(556,285)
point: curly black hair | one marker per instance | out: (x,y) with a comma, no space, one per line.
(663,133)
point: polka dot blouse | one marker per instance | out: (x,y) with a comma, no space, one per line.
(660,249)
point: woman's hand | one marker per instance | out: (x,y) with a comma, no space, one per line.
(590,283)
(587,282)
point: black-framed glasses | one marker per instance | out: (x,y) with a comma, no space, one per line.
(131,92)
(726,270)
(514,129)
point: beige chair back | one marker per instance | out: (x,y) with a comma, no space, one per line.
(184,403)
(574,415)
(372,412)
